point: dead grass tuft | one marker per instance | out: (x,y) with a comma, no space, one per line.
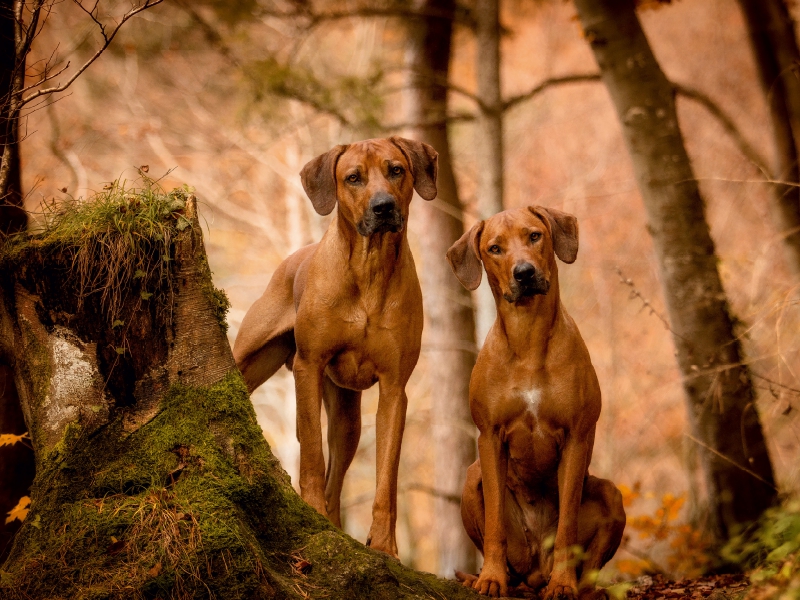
(114,238)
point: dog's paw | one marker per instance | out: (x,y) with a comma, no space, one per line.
(490,583)
(560,592)
(466,579)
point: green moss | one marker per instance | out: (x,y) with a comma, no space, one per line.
(192,504)
(216,297)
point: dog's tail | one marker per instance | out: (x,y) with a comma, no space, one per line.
(266,338)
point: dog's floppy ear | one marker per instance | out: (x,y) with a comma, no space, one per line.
(424,162)
(465,257)
(563,230)
(319,179)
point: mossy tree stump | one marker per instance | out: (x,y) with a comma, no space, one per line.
(153,477)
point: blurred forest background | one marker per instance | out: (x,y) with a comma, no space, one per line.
(233,98)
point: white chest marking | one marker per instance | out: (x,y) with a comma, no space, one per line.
(533,399)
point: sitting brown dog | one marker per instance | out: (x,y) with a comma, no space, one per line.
(346,313)
(529,500)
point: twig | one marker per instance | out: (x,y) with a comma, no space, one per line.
(727,123)
(548,83)
(107,39)
(418,487)
(731,461)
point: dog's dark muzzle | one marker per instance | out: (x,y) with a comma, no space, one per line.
(382,215)
(527,281)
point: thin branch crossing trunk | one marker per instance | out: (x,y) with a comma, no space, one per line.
(449,334)
(718,388)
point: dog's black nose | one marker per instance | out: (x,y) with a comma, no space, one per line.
(524,272)
(382,204)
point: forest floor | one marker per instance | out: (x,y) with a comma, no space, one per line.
(713,587)
(658,587)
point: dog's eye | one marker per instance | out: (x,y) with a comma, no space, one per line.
(494,249)
(397,170)
(353,178)
(535,236)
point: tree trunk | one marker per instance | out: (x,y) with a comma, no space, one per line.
(449,335)
(153,477)
(719,393)
(489,142)
(774,44)
(16,460)
(12,217)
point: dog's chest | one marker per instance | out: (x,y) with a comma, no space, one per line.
(532,442)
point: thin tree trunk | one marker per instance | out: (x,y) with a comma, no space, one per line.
(719,392)
(12,217)
(153,477)
(449,335)
(774,44)
(489,142)
(16,460)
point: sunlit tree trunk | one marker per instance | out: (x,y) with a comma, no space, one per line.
(719,392)
(449,334)
(489,139)
(774,43)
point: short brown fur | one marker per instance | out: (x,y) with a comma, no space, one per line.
(535,398)
(346,313)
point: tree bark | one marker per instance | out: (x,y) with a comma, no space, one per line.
(719,393)
(489,142)
(153,477)
(12,216)
(774,43)
(449,335)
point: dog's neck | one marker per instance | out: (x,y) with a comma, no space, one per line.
(529,322)
(372,258)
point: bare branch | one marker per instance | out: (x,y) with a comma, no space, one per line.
(688,92)
(548,83)
(727,123)
(215,38)
(45,78)
(107,37)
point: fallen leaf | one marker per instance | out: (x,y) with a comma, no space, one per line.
(20,511)
(155,570)
(9,439)
(300,565)
(116,546)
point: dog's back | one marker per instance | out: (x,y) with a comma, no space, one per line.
(266,337)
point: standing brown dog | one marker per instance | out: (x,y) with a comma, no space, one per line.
(346,313)
(535,399)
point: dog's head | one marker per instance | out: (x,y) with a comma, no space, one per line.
(372,181)
(518,249)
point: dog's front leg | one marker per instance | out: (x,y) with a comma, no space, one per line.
(390,423)
(493,452)
(571,473)
(308,388)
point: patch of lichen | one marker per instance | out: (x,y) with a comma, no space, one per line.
(216,297)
